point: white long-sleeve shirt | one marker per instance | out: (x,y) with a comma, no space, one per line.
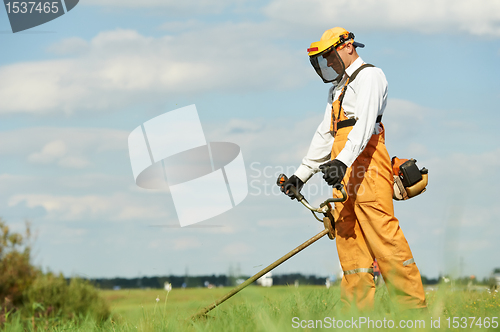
(365,99)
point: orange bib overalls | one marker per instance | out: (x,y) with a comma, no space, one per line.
(366,227)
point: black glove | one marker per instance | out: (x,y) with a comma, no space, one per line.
(293,181)
(333,172)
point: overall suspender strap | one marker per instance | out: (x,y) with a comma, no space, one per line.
(336,118)
(349,122)
(366,65)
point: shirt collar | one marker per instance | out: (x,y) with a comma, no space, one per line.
(355,65)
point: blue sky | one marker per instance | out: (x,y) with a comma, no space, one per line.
(74,88)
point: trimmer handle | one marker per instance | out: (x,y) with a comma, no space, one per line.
(324,207)
(282,178)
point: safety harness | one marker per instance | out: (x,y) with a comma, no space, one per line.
(336,123)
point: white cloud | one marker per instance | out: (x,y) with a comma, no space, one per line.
(65,147)
(424,16)
(50,152)
(116,207)
(79,184)
(44,83)
(121,67)
(56,152)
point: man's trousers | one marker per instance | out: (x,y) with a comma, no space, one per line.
(366,229)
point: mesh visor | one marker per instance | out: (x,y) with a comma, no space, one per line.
(328,65)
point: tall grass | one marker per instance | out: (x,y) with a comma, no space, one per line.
(273,309)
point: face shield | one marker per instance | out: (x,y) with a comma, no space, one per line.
(328,65)
(324,54)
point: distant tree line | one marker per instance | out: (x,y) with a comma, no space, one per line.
(159,282)
(215,280)
(200,281)
(224,280)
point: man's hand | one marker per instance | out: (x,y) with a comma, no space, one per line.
(333,172)
(293,181)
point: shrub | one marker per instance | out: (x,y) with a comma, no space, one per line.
(25,289)
(52,296)
(16,271)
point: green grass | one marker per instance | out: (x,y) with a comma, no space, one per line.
(264,309)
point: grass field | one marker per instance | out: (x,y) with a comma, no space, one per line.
(273,309)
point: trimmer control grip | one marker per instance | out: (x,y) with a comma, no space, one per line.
(282,178)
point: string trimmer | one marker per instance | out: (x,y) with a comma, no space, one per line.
(329,223)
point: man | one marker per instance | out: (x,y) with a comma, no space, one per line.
(349,148)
